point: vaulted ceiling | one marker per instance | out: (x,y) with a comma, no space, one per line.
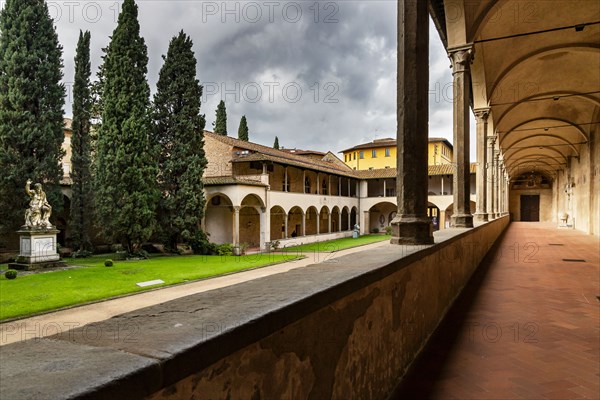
(537,67)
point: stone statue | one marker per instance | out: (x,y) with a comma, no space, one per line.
(37,216)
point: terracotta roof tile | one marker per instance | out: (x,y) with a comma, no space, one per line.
(229,180)
(377,143)
(269,153)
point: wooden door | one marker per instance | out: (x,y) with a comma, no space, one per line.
(530,207)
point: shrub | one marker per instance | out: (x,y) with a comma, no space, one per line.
(138,255)
(108,263)
(375,230)
(388,230)
(275,245)
(10,274)
(243,248)
(225,249)
(201,245)
(81,254)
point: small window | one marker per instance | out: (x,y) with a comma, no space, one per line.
(307,185)
(361,155)
(355,155)
(388,152)
(373,153)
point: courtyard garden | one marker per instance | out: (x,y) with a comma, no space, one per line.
(89,280)
(331,246)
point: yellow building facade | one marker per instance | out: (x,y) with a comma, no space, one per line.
(381,153)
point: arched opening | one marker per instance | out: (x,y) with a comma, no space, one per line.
(450,211)
(219,219)
(324,220)
(433,212)
(250,226)
(353,217)
(295,222)
(311,221)
(381,216)
(278,217)
(335,219)
(345,219)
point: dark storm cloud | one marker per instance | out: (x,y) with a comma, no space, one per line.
(320,75)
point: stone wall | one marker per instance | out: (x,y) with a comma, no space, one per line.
(218,155)
(343,329)
(546,203)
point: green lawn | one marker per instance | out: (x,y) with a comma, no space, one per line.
(336,244)
(31,294)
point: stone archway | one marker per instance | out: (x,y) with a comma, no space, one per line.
(278,223)
(335,219)
(324,220)
(311,221)
(218,218)
(295,216)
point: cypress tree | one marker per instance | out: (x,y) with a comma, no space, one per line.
(179,129)
(276,144)
(31,108)
(126,167)
(243,129)
(81,202)
(220,123)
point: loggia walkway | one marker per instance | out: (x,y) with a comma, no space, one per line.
(526,326)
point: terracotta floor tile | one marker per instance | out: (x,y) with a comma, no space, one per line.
(521,330)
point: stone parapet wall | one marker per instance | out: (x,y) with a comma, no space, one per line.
(340,330)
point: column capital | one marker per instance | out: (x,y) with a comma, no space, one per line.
(236,208)
(482,114)
(492,140)
(461,57)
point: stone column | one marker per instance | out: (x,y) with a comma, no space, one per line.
(236,225)
(506,191)
(461,58)
(303,181)
(367,223)
(482,182)
(329,222)
(318,185)
(411,224)
(286,185)
(496,183)
(490,176)
(318,222)
(303,223)
(264,228)
(339,220)
(285,226)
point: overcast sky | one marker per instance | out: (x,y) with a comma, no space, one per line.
(319,75)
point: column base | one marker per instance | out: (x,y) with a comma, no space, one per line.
(462,221)
(481,217)
(412,231)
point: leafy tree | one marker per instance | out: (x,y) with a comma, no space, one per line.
(126,167)
(81,202)
(179,129)
(31,108)
(220,123)
(276,144)
(243,129)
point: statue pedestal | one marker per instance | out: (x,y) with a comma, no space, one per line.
(38,249)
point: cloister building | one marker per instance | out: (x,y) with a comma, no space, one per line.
(256,194)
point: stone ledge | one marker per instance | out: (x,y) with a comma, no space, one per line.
(54,369)
(163,344)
